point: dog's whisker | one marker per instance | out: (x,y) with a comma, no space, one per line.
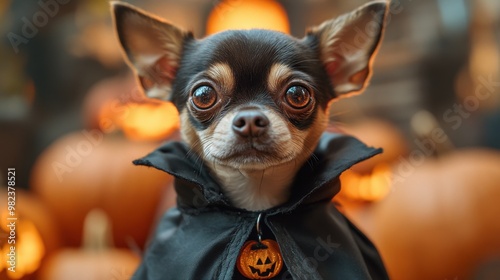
(335,113)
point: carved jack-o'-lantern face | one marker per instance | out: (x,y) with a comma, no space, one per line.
(260,260)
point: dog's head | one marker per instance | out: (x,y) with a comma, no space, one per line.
(251,99)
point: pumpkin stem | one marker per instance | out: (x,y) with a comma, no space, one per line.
(258,246)
(97,231)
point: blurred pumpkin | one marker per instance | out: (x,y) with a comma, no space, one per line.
(37,235)
(118,103)
(440,221)
(96,260)
(89,169)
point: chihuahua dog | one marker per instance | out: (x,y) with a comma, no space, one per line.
(253,104)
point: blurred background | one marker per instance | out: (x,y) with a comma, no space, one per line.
(72,119)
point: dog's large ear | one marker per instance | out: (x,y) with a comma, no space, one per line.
(348,44)
(152,46)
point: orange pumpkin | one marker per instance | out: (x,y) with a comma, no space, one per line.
(88,169)
(96,260)
(260,260)
(441,220)
(36,235)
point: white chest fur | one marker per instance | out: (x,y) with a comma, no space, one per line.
(256,189)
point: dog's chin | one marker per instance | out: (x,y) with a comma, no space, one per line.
(250,160)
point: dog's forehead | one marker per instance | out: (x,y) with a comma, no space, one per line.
(251,54)
(243,46)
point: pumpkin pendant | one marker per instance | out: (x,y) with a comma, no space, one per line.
(260,260)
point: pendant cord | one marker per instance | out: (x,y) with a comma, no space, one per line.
(258,228)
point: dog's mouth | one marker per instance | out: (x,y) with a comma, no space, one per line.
(251,156)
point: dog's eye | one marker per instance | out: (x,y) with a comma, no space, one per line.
(204,97)
(298,97)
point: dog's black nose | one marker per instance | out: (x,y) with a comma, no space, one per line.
(250,123)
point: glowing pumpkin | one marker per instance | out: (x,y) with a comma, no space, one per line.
(36,236)
(260,260)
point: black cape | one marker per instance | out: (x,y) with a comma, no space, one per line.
(202,237)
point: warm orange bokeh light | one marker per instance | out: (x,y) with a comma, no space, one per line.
(150,121)
(29,249)
(144,121)
(367,187)
(248,14)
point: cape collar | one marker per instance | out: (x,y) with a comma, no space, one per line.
(316,181)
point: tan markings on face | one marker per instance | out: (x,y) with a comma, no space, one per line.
(189,134)
(277,75)
(313,135)
(222,74)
